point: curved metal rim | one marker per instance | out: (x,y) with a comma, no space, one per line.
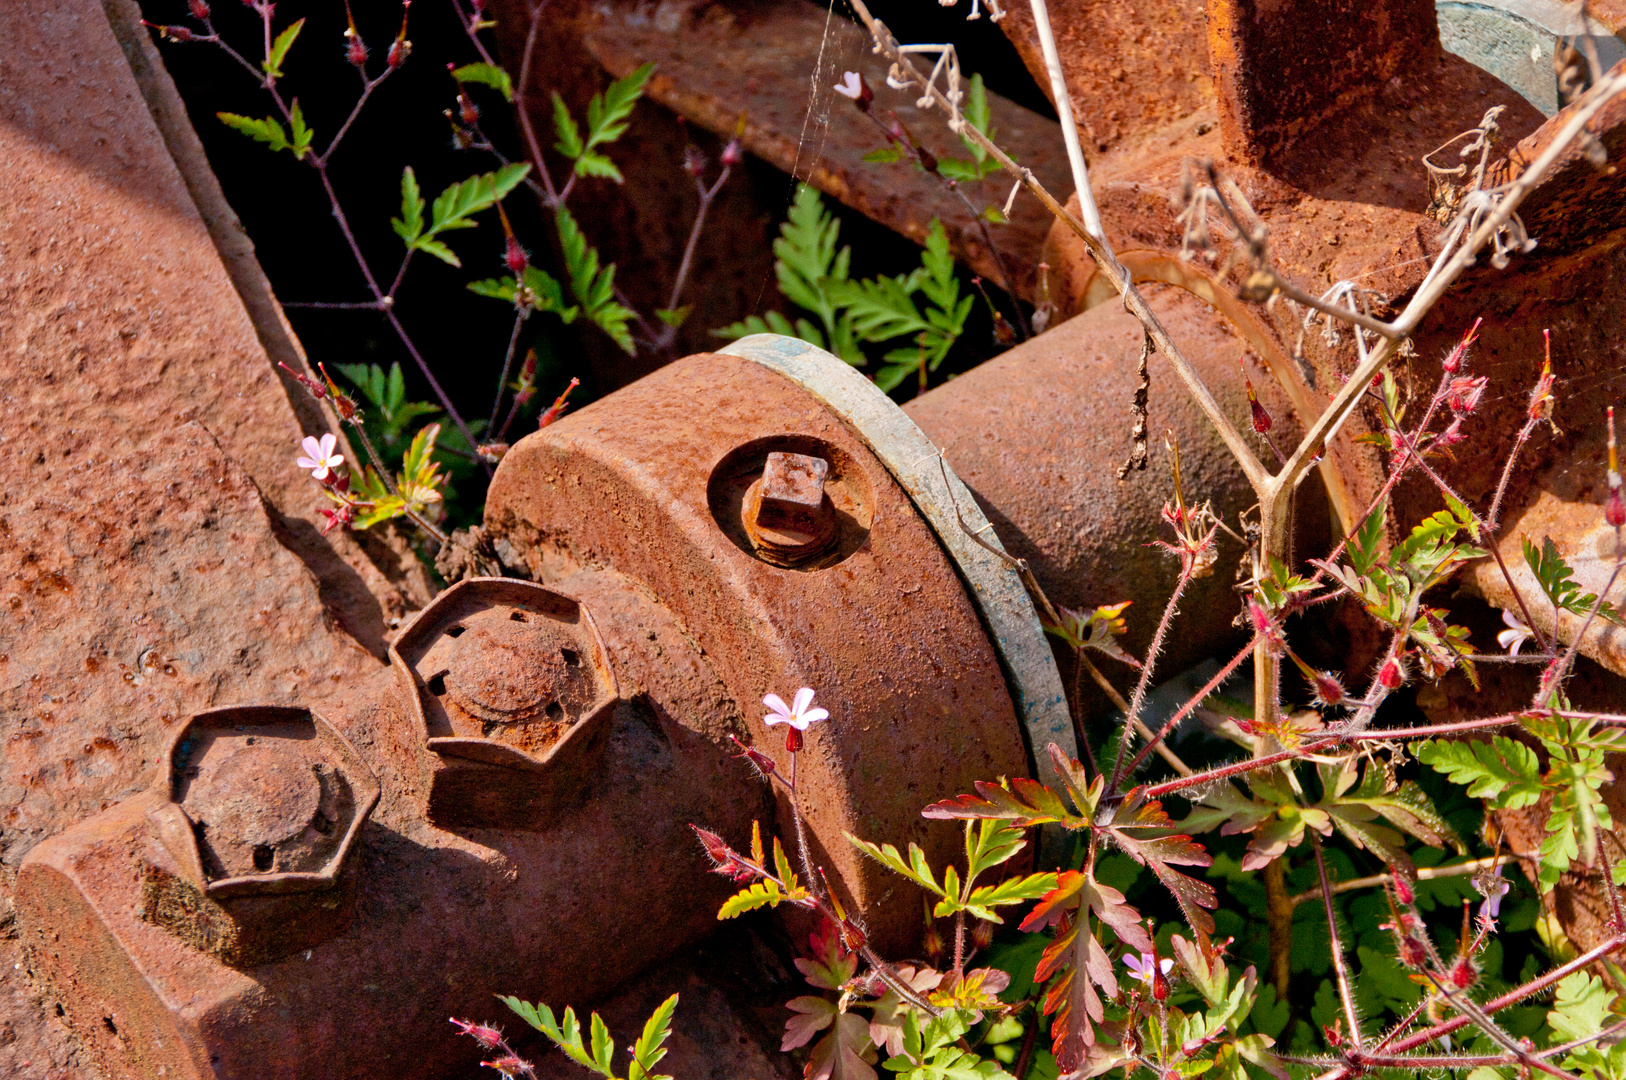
(1013,622)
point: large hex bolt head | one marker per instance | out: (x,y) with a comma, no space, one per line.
(510,687)
(261,808)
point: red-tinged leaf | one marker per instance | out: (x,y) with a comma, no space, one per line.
(1057,902)
(1109,906)
(1019,800)
(1085,795)
(840,1054)
(886,1022)
(1145,833)
(832,965)
(1058,954)
(813,1015)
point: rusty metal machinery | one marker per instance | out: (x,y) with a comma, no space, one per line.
(309,890)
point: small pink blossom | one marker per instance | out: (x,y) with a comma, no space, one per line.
(852,85)
(1146,967)
(1513,638)
(797,715)
(319,456)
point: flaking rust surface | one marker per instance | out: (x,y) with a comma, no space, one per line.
(141,575)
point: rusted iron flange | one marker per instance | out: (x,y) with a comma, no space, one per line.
(510,691)
(956,519)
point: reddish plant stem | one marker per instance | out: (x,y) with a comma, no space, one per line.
(1137,700)
(1184,710)
(1338,967)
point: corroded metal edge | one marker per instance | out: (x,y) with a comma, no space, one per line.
(910,457)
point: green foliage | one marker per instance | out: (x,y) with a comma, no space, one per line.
(976,113)
(1392,587)
(607,118)
(988,843)
(931,1051)
(453,208)
(272,66)
(767,892)
(417,484)
(1508,775)
(534,290)
(594,287)
(1557,582)
(486,75)
(597,1052)
(812,273)
(271,132)
(391,413)
(1582,1008)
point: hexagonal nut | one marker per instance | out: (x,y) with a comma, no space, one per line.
(261,808)
(510,686)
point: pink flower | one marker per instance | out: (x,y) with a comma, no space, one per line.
(798,715)
(1145,967)
(852,85)
(319,456)
(1516,634)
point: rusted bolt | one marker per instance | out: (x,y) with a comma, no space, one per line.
(255,822)
(787,514)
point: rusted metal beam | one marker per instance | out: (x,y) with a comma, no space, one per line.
(776,66)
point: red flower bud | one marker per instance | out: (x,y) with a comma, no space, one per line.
(1160,982)
(1411,952)
(793,740)
(400,49)
(1404,892)
(732,154)
(514,257)
(356,52)
(1463,973)
(468,110)
(200,10)
(932,943)
(1392,675)
(486,1036)
(1328,690)
(982,935)
(694,162)
(1453,360)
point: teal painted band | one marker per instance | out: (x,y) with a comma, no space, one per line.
(914,462)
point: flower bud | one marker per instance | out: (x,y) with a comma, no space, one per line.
(1404,892)
(356,51)
(200,9)
(793,739)
(467,109)
(694,162)
(982,935)
(1160,982)
(1328,690)
(732,154)
(1411,952)
(1463,973)
(514,257)
(1392,675)
(932,943)
(487,1036)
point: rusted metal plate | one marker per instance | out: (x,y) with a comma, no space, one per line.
(776,64)
(886,633)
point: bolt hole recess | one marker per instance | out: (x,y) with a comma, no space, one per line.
(519,616)
(846,484)
(555,711)
(437,685)
(112,1028)
(455,631)
(263,857)
(571,657)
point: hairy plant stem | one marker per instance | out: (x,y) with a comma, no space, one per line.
(1188,563)
(1279,918)
(1340,970)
